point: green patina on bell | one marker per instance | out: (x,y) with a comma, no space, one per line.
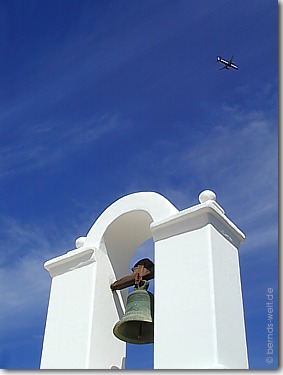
(136,326)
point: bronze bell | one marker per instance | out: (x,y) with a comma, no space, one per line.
(136,326)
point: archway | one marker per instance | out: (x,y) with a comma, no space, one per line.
(125,225)
(116,235)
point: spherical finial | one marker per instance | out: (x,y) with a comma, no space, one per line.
(80,242)
(207,195)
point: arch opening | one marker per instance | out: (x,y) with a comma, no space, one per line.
(127,240)
(123,237)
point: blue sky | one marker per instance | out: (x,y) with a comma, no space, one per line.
(100,99)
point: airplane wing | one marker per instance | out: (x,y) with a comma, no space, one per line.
(224,67)
(230,61)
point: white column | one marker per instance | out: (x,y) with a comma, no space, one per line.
(199,320)
(82,311)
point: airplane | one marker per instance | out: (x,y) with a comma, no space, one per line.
(227,64)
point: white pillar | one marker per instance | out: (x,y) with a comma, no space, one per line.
(199,319)
(81,313)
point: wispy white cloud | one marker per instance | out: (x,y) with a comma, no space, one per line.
(237,158)
(24,283)
(94,129)
(23,286)
(42,144)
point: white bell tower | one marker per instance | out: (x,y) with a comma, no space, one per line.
(199,317)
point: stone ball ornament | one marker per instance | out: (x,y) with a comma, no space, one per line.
(207,195)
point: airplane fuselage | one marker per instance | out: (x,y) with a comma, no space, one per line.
(228,64)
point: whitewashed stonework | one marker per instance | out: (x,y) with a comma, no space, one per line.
(199,318)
